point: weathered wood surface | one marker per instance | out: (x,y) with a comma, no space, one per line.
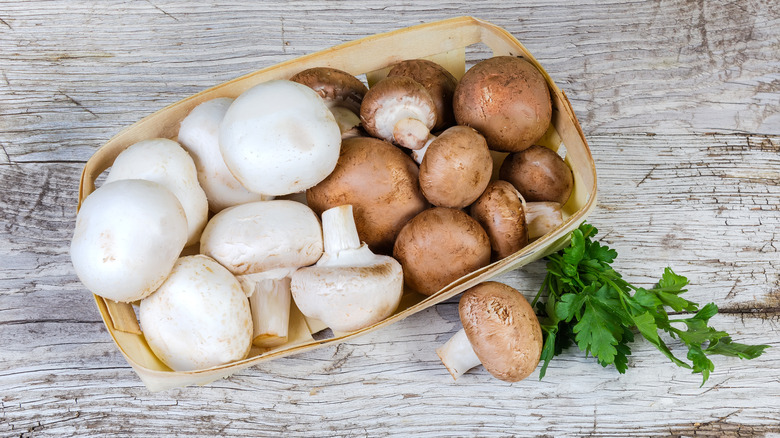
(680,102)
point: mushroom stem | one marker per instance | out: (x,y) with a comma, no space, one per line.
(410,133)
(542,217)
(458,355)
(269,300)
(418,154)
(347,120)
(338,230)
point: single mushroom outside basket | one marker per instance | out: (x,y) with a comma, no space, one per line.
(444,42)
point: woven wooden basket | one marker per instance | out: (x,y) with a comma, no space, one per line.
(444,42)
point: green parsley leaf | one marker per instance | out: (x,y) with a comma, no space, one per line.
(589,302)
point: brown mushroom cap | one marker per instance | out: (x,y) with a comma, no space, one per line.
(502,329)
(439,246)
(380,182)
(336,87)
(439,82)
(507,100)
(456,168)
(399,98)
(539,174)
(500,212)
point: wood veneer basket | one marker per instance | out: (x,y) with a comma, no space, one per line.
(444,42)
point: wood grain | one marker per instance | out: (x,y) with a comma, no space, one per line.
(678,100)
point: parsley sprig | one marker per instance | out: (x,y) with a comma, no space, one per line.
(587,301)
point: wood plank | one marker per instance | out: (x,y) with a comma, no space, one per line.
(388,382)
(70,77)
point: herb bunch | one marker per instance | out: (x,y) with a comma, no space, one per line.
(588,302)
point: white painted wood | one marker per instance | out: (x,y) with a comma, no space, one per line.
(72,74)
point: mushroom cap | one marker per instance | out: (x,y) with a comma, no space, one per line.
(335,87)
(198,318)
(456,168)
(439,246)
(127,238)
(165,162)
(502,329)
(199,135)
(279,137)
(539,174)
(271,237)
(439,82)
(380,182)
(501,213)
(507,100)
(348,298)
(393,99)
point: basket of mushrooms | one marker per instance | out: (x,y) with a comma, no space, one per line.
(313,201)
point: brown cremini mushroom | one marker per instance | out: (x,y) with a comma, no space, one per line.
(439,246)
(399,110)
(455,168)
(380,182)
(437,80)
(500,331)
(507,100)
(501,213)
(342,93)
(539,174)
(542,217)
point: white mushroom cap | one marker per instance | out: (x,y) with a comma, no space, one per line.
(198,318)
(128,235)
(277,236)
(279,137)
(165,162)
(199,134)
(350,287)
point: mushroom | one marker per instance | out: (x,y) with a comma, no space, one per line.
(199,135)
(198,318)
(455,168)
(399,110)
(439,246)
(501,213)
(439,83)
(165,162)
(500,331)
(279,137)
(341,92)
(380,182)
(350,287)
(542,217)
(263,243)
(507,100)
(127,238)
(539,174)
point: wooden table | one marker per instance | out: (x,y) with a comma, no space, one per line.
(680,102)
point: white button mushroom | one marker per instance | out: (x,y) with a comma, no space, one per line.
(198,318)
(350,287)
(279,138)
(199,134)
(128,235)
(263,243)
(165,162)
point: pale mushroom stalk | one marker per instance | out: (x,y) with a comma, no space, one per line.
(269,300)
(263,243)
(458,355)
(350,287)
(418,154)
(542,217)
